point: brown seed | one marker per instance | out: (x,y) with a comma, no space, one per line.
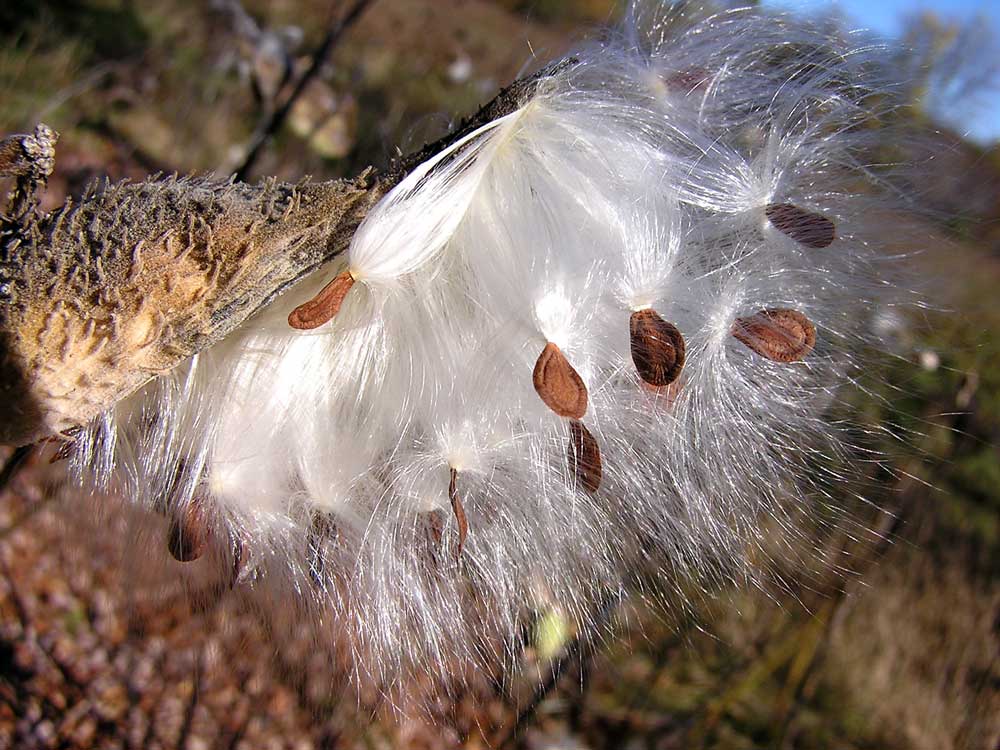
(805,227)
(558,384)
(189,533)
(324,306)
(456,506)
(657,347)
(778,334)
(435,526)
(585,456)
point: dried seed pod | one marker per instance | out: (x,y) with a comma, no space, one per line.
(34,154)
(324,306)
(805,227)
(189,533)
(558,384)
(779,334)
(585,456)
(657,347)
(136,278)
(107,293)
(456,506)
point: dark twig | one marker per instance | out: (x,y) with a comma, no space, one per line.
(270,125)
(573,652)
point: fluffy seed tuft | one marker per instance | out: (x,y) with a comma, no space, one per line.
(635,180)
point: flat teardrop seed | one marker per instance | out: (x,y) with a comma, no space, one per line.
(657,347)
(324,306)
(805,227)
(779,334)
(459,511)
(558,384)
(189,533)
(585,456)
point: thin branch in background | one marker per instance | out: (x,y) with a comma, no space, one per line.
(13,465)
(85,84)
(270,124)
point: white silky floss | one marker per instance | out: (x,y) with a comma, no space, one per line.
(682,202)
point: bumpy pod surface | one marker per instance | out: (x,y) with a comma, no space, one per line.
(109,292)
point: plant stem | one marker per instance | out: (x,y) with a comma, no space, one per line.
(270,125)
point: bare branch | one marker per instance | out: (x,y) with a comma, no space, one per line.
(270,124)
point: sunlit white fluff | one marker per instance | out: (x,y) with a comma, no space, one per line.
(634,178)
(394,241)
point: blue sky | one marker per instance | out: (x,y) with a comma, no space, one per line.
(883,18)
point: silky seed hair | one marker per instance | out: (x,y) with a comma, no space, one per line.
(594,342)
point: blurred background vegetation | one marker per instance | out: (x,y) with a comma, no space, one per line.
(892,640)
